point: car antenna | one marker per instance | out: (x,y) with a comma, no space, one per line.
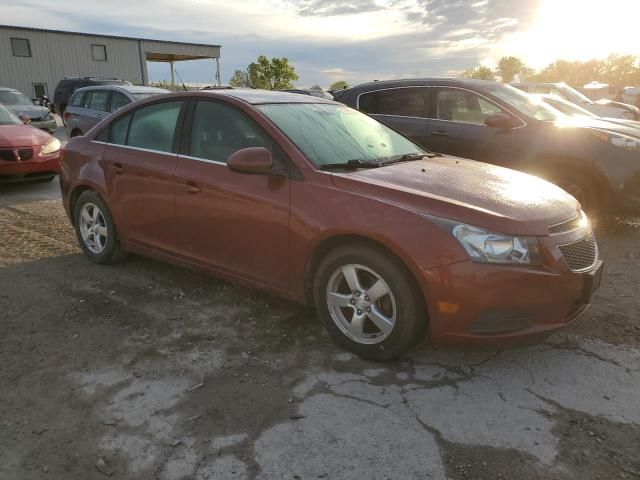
(180,78)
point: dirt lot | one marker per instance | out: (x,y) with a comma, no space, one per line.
(145,370)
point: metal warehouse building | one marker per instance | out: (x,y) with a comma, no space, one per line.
(34,60)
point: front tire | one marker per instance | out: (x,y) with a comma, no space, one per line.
(95,229)
(368,302)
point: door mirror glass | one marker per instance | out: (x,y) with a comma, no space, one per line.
(251,160)
(499,120)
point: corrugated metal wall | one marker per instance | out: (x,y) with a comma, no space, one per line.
(57,55)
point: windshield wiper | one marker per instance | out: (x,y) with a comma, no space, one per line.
(409,157)
(350,164)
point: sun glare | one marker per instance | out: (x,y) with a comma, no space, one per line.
(577,30)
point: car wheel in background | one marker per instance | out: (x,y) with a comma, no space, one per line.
(583,189)
(95,229)
(368,302)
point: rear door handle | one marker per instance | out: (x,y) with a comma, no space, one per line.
(192,187)
(116,168)
(440,133)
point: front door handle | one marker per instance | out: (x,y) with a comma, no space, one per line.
(440,133)
(116,168)
(192,188)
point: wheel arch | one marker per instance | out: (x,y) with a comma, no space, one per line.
(75,194)
(330,243)
(547,165)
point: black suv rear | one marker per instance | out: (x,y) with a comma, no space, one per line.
(70,84)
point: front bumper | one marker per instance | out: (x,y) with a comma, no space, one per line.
(472,303)
(48,125)
(29,170)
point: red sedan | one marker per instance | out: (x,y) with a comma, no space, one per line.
(319,203)
(26,152)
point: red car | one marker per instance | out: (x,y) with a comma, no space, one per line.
(26,152)
(319,203)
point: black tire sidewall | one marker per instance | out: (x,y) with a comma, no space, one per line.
(411,318)
(110,253)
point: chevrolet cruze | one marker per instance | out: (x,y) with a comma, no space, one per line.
(319,203)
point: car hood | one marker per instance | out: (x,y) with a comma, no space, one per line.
(14,136)
(623,127)
(32,111)
(495,198)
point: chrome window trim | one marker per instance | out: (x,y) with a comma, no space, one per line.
(205,160)
(524,124)
(171,154)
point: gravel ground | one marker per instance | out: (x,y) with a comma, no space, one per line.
(144,370)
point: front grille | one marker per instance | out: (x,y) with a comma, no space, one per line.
(581,255)
(25,154)
(7,155)
(567,226)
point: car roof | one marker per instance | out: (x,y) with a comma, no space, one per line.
(128,88)
(415,82)
(257,97)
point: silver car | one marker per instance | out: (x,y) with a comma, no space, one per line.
(23,106)
(88,106)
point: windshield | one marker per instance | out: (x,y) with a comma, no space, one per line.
(8,118)
(330,134)
(524,103)
(568,108)
(571,94)
(10,97)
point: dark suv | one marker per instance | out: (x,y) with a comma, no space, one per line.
(496,123)
(70,84)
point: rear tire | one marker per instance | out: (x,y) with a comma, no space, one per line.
(368,302)
(95,230)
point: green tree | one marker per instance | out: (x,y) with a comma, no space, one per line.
(316,88)
(509,67)
(267,74)
(240,78)
(620,70)
(339,85)
(479,73)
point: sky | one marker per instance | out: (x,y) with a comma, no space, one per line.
(353,40)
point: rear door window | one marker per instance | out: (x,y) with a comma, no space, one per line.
(77,99)
(99,100)
(219,131)
(118,100)
(463,106)
(402,102)
(153,127)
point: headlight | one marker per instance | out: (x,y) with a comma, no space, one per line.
(628,143)
(52,146)
(489,247)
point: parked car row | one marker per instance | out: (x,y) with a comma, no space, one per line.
(317,202)
(26,152)
(596,161)
(24,107)
(602,108)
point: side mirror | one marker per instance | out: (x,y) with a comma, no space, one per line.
(251,160)
(499,120)
(26,119)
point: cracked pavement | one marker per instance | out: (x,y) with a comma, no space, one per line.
(144,370)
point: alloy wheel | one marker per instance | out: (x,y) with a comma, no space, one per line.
(361,304)
(93,228)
